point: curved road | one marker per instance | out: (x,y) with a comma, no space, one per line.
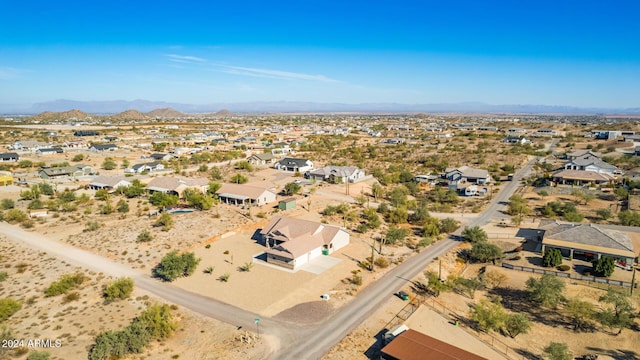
(289,341)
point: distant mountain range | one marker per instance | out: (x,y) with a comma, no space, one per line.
(117,106)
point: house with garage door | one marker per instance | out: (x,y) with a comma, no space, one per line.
(294,242)
(109,183)
(294,165)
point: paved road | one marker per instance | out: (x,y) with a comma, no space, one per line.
(288,341)
(278,331)
(326,335)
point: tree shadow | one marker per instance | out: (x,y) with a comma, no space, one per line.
(534,260)
(618,354)
(527,354)
(517,301)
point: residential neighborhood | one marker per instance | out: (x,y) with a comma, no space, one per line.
(302,218)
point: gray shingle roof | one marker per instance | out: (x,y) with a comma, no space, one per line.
(588,234)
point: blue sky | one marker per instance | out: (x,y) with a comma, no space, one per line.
(571,52)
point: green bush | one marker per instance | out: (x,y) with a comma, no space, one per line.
(173,266)
(6,204)
(15,216)
(552,257)
(65,283)
(603,266)
(3,276)
(8,307)
(154,323)
(119,290)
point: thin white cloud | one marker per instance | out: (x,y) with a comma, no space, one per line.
(7,73)
(272,74)
(185,58)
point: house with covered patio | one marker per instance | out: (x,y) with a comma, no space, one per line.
(245,195)
(588,242)
(581,177)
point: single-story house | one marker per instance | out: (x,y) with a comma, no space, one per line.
(86,133)
(176,186)
(414,345)
(262,159)
(293,242)
(9,157)
(49,151)
(468,174)
(242,194)
(588,241)
(590,163)
(103,147)
(71,171)
(425,178)
(580,177)
(581,153)
(6,178)
(28,145)
(145,167)
(294,164)
(161,157)
(77,144)
(108,182)
(336,174)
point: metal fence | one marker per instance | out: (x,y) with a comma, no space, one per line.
(568,275)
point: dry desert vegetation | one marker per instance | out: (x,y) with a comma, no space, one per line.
(389,211)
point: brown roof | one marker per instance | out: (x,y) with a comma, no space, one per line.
(412,345)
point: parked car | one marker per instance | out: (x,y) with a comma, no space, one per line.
(403,295)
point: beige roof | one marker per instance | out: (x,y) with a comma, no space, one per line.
(173,184)
(298,236)
(583,175)
(252,192)
(110,181)
(588,237)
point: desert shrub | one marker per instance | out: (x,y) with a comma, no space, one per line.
(156,322)
(166,221)
(78,157)
(6,204)
(247,266)
(72,296)
(3,276)
(65,283)
(39,355)
(8,307)
(381,262)
(144,236)
(119,290)
(224,277)
(28,224)
(564,267)
(15,216)
(173,266)
(92,226)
